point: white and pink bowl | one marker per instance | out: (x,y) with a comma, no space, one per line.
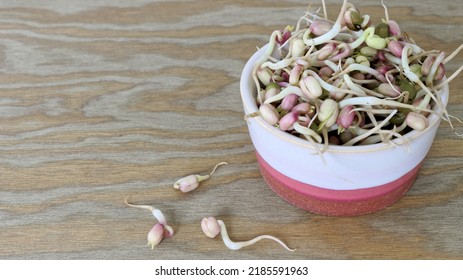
(352,181)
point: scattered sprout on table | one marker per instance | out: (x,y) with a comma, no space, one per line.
(212,227)
(160,230)
(191,182)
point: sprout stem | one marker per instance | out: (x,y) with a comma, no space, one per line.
(362,68)
(371,131)
(238,245)
(287,91)
(452,55)
(217,165)
(385,11)
(325,13)
(330,34)
(156,213)
(449,79)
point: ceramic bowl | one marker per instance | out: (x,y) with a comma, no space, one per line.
(347,181)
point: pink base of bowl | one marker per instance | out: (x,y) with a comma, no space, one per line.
(336,202)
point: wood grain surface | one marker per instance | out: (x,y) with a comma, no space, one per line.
(100,100)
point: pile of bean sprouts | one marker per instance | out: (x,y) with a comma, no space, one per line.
(349,82)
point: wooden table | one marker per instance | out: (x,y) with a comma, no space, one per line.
(100,100)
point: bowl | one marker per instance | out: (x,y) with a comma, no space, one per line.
(344,180)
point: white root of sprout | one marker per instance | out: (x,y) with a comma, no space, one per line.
(238,245)
(156,213)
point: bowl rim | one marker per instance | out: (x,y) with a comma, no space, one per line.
(250,105)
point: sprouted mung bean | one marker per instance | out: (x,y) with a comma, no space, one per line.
(160,230)
(349,82)
(212,227)
(191,182)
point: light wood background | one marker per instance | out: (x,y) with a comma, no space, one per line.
(104,99)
